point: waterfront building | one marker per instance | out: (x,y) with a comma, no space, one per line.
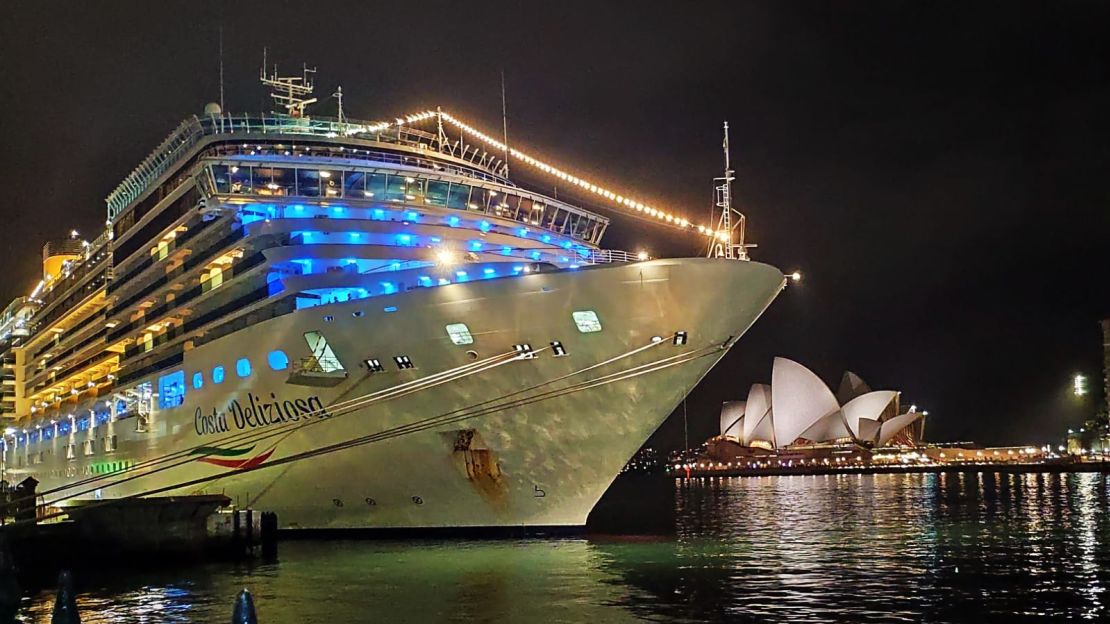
(1106,363)
(418,339)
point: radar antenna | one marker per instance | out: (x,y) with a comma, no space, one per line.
(289,92)
(729,239)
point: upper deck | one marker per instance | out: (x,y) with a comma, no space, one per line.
(397,142)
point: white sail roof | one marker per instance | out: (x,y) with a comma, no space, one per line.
(798,400)
(890,428)
(732,416)
(870,406)
(851,386)
(868,430)
(827,429)
(758,411)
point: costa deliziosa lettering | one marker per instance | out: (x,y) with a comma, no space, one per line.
(258,412)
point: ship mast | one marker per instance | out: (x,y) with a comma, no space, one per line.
(289,92)
(729,242)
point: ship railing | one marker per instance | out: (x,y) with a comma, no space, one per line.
(610,256)
(192,130)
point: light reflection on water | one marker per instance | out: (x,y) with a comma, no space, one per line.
(938,548)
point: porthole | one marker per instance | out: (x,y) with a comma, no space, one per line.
(278,360)
(472,354)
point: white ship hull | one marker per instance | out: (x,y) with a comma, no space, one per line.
(542,464)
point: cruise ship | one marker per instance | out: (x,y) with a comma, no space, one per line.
(360,325)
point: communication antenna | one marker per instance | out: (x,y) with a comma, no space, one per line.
(338,95)
(505,124)
(289,92)
(221,67)
(729,242)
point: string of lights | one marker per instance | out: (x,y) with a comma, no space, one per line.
(627,204)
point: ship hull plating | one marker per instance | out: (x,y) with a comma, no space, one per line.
(544,460)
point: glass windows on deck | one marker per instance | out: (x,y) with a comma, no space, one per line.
(409,189)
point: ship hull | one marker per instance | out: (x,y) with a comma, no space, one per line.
(542,461)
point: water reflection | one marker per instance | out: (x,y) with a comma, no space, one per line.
(948,547)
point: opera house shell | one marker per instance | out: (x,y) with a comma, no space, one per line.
(797,408)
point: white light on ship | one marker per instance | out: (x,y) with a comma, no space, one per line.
(325,174)
(796,276)
(641,256)
(445,257)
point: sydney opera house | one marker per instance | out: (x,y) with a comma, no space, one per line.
(797,410)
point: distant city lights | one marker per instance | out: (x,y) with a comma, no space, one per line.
(1079,385)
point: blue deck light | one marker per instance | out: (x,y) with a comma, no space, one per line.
(404,239)
(484,226)
(389,288)
(535,255)
(506,251)
(378,213)
(412,216)
(476,245)
(546,238)
(453,221)
(488,271)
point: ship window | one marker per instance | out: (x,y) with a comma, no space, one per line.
(198,380)
(353,183)
(328,318)
(458,196)
(558,348)
(375,185)
(460,334)
(218,375)
(308,182)
(403,362)
(437,193)
(587,321)
(357,313)
(374,365)
(243,367)
(171,390)
(322,355)
(680,338)
(278,360)
(525,350)
(395,188)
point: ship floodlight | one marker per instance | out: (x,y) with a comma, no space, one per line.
(796,276)
(445,257)
(641,256)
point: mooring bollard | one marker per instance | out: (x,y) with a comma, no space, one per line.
(65,605)
(244,609)
(268,533)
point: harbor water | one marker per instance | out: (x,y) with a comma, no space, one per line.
(892,547)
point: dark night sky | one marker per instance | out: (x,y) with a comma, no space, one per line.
(938,170)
